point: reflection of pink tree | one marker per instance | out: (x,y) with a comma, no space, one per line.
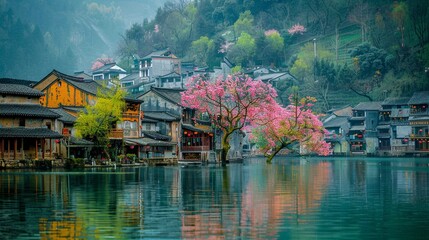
(233,103)
(286,127)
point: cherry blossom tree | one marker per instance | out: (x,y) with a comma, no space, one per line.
(297,29)
(286,127)
(233,103)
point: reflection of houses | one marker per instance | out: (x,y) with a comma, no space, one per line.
(393,128)
(419,121)
(363,123)
(337,125)
(73,93)
(27,130)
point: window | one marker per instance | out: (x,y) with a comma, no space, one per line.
(22,122)
(48,125)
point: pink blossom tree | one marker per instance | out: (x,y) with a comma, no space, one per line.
(286,127)
(233,103)
(297,29)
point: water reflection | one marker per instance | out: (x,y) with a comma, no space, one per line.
(292,198)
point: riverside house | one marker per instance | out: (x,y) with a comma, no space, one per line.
(419,122)
(363,128)
(74,93)
(27,129)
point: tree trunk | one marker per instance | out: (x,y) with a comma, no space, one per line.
(273,154)
(225,148)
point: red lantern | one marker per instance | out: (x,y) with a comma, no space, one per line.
(185,132)
(57,140)
(132,147)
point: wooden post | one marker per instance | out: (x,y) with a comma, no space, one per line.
(8,149)
(50,148)
(15,148)
(43,148)
(22,148)
(37,151)
(2,148)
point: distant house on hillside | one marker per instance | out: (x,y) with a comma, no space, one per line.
(155,64)
(109,71)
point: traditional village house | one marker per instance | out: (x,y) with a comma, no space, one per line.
(393,129)
(75,147)
(161,124)
(154,69)
(363,128)
(419,121)
(73,94)
(27,129)
(337,125)
(193,138)
(109,71)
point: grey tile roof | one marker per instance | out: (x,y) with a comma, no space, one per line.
(156,136)
(171,94)
(161,116)
(28,83)
(79,141)
(420,98)
(19,90)
(28,133)
(396,101)
(107,68)
(160,53)
(336,122)
(65,116)
(368,106)
(26,110)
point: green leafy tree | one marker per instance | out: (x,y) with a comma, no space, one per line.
(201,49)
(98,120)
(244,23)
(243,51)
(273,47)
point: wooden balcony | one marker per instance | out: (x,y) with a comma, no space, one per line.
(195,148)
(131,133)
(116,134)
(420,135)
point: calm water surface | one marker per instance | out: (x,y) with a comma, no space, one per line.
(313,198)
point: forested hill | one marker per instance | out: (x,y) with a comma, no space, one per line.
(362,49)
(68,35)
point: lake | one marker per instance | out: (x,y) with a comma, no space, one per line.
(292,198)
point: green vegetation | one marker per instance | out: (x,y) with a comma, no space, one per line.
(351,49)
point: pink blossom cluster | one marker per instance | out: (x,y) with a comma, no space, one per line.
(297,29)
(271,32)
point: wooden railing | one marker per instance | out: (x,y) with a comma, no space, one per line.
(196,148)
(116,134)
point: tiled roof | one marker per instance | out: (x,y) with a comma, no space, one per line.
(336,122)
(419,98)
(396,101)
(21,90)
(28,83)
(172,94)
(156,136)
(65,116)
(161,116)
(28,133)
(163,53)
(108,68)
(80,141)
(368,106)
(194,128)
(26,110)
(170,75)
(148,142)
(86,85)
